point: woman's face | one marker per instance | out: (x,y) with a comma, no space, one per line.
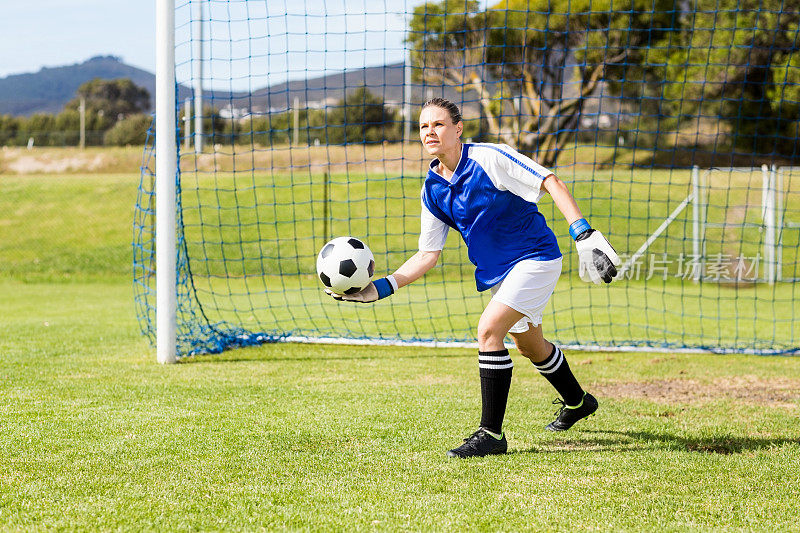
(437,132)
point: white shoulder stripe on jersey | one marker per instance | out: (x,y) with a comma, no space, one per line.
(514,159)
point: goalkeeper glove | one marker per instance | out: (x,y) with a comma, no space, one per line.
(380,288)
(597,257)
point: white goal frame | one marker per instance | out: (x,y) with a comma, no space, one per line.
(166,173)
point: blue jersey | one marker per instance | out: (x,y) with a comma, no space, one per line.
(491,200)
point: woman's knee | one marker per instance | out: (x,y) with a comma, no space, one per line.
(535,349)
(490,335)
(527,351)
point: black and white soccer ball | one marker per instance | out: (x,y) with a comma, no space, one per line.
(345,265)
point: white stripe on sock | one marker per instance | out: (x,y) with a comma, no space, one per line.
(494,358)
(553,365)
(557,354)
(496,366)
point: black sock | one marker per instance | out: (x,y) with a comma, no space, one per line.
(556,370)
(495,369)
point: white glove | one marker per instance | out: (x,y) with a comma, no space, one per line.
(366,295)
(597,257)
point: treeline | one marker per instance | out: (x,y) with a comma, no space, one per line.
(360,117)
(114,111)
(63,129)
(115,116)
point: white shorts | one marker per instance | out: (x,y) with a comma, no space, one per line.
(527,289)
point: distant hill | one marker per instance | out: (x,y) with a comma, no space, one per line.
(385,80)
(48,90)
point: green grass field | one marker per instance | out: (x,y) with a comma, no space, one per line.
(97,436)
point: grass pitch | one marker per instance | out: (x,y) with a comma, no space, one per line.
(97,436)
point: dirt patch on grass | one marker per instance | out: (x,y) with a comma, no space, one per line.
(56,165)
(49,160)
(775,392)
(721,448)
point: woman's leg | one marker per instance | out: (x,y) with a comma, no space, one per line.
(494,363)
(549,360)
(494,324)
(495,368)
(532,344)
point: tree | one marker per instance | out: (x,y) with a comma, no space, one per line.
(741,63)
(533,63)
(40,126)
(114,99)
(9,126)
(672,64)
(130,130)
(362,117)
(66,129)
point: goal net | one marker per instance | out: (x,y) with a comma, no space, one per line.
(676,128)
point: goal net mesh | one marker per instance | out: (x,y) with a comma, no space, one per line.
(675,127)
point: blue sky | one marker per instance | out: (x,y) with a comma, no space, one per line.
(39,33)
(299,37)
(250,44)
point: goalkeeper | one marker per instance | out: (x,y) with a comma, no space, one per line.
(488,193)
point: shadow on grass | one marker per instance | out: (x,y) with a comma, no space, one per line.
(610,440)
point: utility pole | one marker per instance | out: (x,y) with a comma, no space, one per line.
(82,111)
(407,99)
(198,77)
(296,138)
(187,123)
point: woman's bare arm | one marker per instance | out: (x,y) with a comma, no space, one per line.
(415,267)
(563,199)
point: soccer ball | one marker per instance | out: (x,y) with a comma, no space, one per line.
(345,265)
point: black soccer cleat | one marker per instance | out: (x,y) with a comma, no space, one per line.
(567,416)
(480,444)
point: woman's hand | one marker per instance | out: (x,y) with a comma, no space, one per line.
(367,295)
(597,258)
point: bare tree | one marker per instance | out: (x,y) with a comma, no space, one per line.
(533,64)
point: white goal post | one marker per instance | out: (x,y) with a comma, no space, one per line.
(166,170)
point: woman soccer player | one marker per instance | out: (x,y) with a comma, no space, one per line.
(488,193)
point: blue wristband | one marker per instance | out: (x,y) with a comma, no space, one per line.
(578,227)
(384,288)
